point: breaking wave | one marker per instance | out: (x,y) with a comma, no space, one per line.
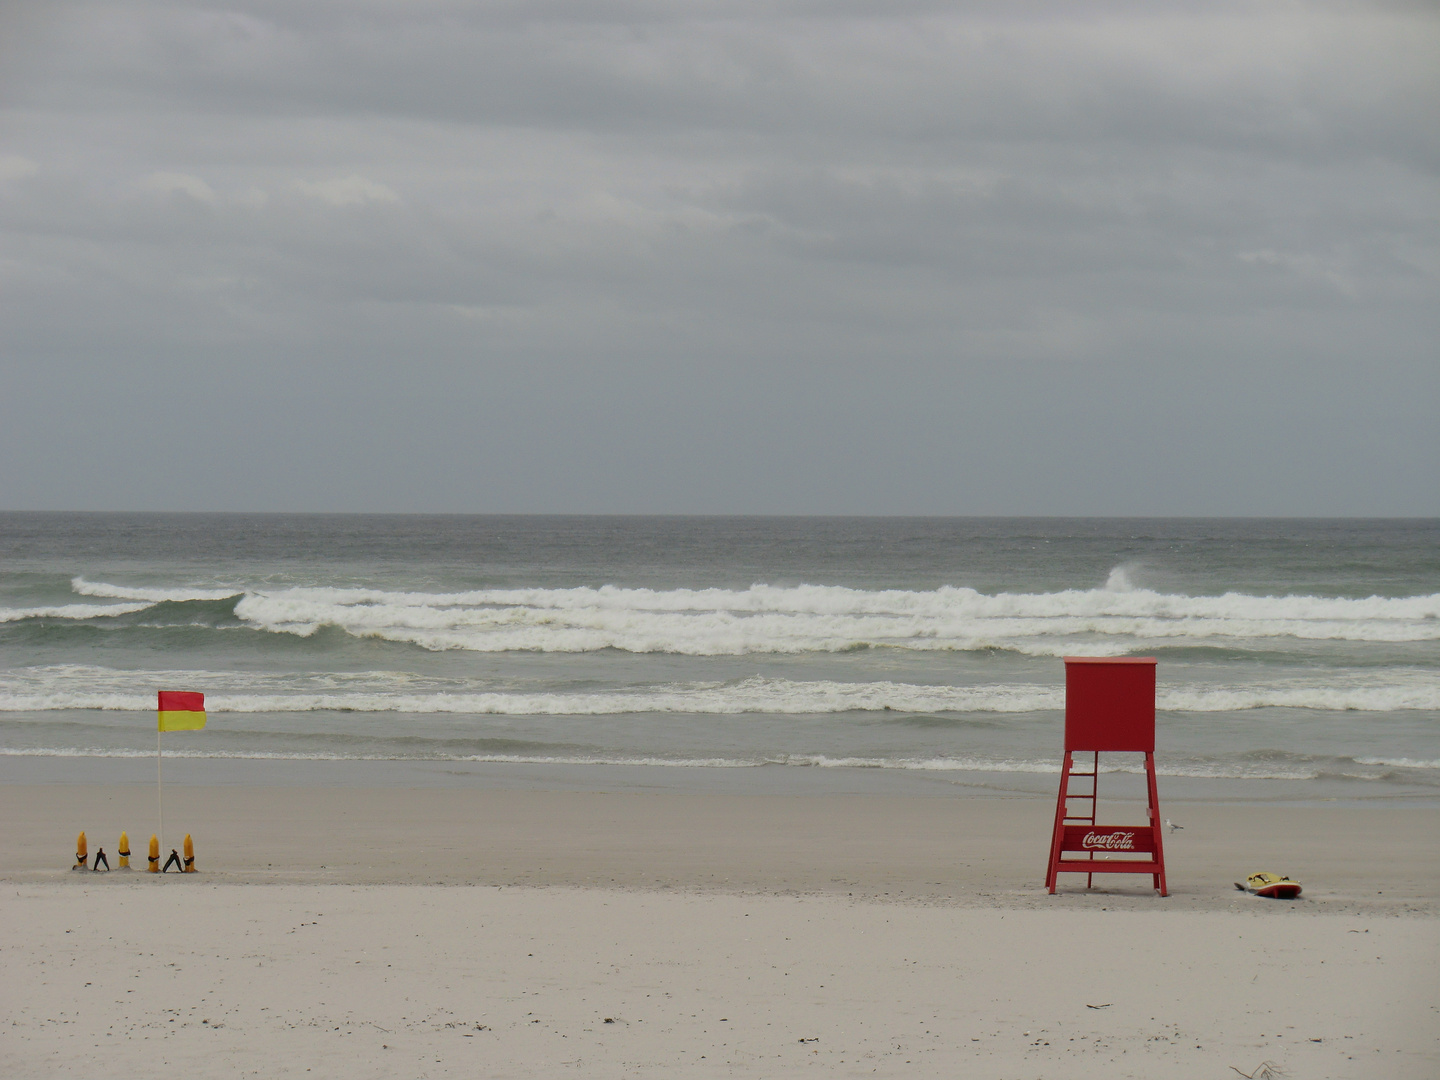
(1113,620)
(154,596)
(67,687)
(69,611)
(1399,763)
(1273,765)
(1236,771)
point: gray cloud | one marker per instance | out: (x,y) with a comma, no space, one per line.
(997,258)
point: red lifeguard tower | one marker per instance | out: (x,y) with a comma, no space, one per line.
(1109,706)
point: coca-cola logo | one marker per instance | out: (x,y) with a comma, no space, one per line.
(1111,841)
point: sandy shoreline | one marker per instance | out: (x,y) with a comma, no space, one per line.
(967,851)
(463,932)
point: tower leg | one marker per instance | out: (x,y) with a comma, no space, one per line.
(1094,807)
(1057,836)
(1155,827)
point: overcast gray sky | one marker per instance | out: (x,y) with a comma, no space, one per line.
(721,257)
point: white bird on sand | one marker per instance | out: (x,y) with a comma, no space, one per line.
(1171,825)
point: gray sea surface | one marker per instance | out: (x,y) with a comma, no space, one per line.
(1297,659)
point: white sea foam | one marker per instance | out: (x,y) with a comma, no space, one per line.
(1217,771)
(153,596)
(1424,693)
(815,618)
(1400,763)
(69,611)
(61,687)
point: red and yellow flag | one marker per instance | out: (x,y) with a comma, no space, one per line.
(181,710)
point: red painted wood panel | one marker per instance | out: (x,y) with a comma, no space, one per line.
(1110,703)
(1109,839)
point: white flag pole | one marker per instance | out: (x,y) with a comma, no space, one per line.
(159,796)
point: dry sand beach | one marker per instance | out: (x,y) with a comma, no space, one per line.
(390,931)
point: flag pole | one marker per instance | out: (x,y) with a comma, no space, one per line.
(159,796)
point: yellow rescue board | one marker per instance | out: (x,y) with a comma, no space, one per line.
(1272,886)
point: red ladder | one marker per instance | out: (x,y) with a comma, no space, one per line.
(1068,773)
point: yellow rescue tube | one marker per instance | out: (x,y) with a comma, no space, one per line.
(154,866)
(189,855)
(82,853)
(124,851)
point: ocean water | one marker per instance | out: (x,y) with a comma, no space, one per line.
(1302,655)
